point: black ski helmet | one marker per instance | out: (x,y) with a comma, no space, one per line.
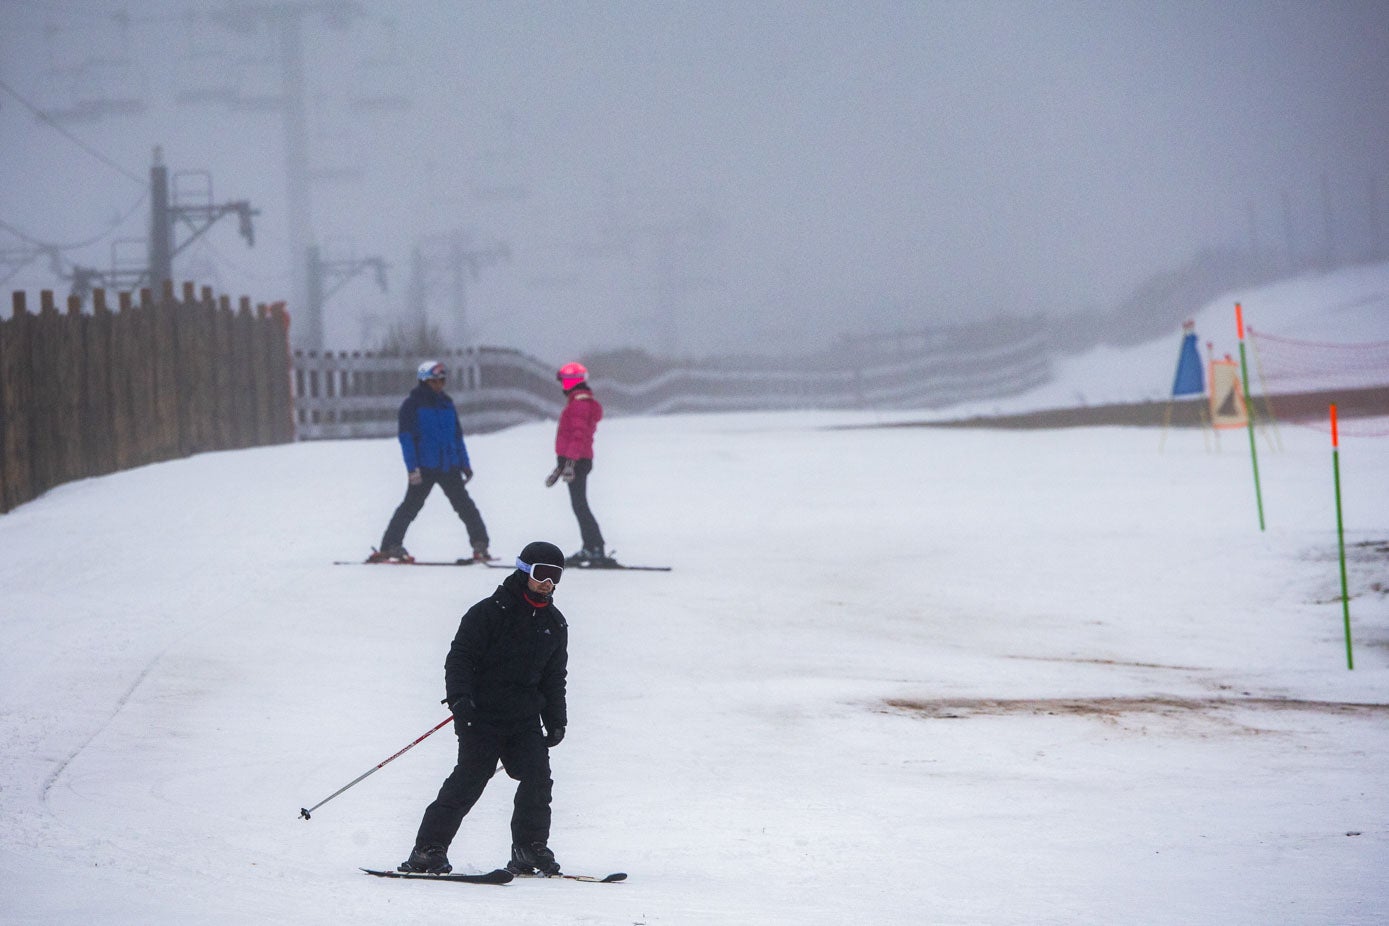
(539,551)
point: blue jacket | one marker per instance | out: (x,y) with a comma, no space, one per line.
(430,435)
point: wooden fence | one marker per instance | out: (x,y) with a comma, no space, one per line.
(84,394)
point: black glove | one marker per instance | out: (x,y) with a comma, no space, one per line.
(554,737)
(467,475)
(558,472)
(567,472)
(464,713)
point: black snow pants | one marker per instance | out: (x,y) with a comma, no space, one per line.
(525,758)
(578,498)
(451,481)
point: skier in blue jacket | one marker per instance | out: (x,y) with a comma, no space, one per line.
(431,441)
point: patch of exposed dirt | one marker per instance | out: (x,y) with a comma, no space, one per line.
(1372,548)
(1109,662)
(1114,708)
(1367,563)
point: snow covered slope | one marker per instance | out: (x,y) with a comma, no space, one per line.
(898,676)
(1349,306)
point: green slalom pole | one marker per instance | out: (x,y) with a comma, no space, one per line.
(1341,536)
(1249,413)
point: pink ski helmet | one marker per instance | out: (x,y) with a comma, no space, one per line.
(571,374)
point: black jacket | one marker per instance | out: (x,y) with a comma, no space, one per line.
(509,661)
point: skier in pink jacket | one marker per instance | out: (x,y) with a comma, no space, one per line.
(574,452)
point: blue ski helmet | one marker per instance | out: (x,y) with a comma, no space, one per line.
(431,369)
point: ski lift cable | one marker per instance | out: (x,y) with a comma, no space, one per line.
(19,266)
(40,250)
(38,243)
(49,121)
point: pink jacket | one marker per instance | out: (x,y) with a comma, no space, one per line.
(578,421)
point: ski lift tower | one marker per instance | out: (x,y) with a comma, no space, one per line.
(285,19)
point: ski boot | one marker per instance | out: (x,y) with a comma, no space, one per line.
(395,554)
(430,860)
(532,858)
(600,560)
(590,558)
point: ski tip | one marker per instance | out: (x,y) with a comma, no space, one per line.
(605,879)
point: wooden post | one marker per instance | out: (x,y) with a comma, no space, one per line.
(70,370)
(223,382)
(260,382)
(243,390)
(43,402)
(190,365)
(281,371)
(164,348)
(98,413)
(140,344)
(16,407)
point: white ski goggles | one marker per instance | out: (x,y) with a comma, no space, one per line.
(540,572)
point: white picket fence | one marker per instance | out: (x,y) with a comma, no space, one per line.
(358,394)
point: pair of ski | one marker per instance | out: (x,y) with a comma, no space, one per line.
(414,562)
(612,564)
(497,876)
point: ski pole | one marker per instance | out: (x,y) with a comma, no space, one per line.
(305,811)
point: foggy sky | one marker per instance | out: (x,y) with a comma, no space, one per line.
(719,176)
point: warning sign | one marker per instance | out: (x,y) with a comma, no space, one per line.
(1227,396)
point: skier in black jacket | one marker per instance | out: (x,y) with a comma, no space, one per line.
(504,677)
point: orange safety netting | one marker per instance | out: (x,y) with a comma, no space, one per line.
(1300,379)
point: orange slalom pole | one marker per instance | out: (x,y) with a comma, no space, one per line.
(1341,535)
